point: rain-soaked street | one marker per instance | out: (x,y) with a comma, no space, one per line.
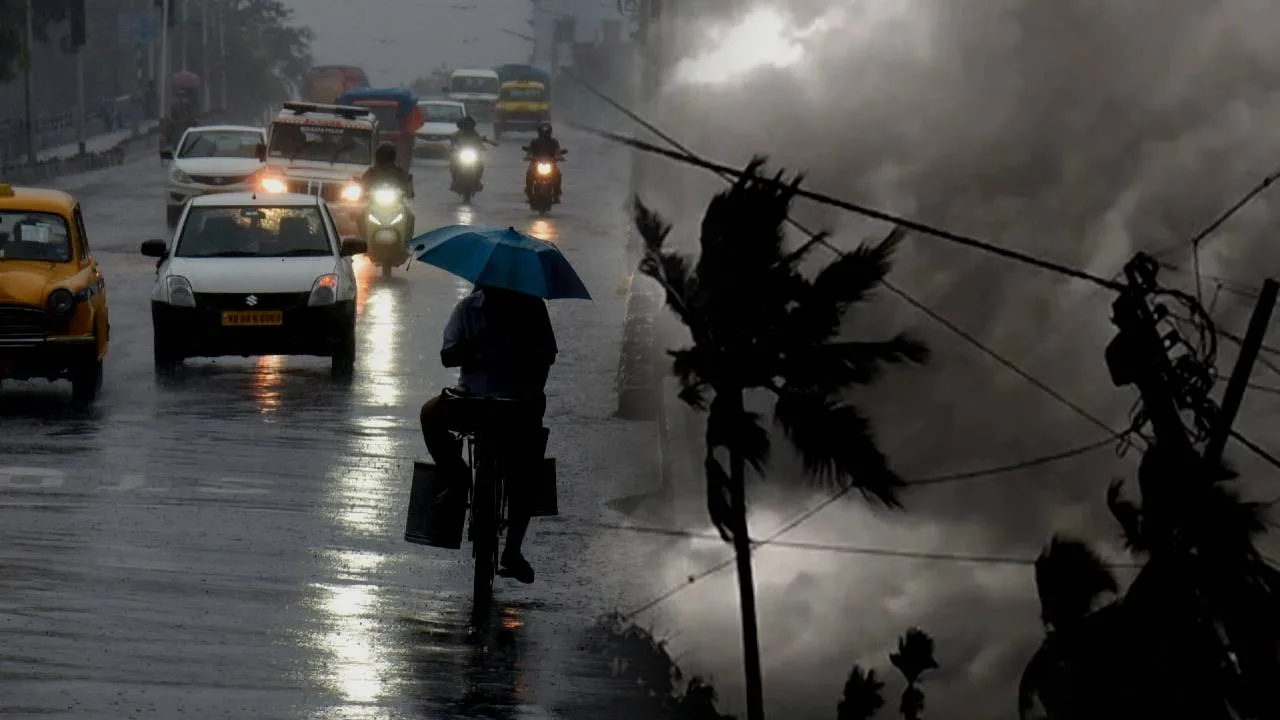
(229,542)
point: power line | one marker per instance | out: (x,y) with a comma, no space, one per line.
(974,243)
(862,550)
(728,174)
(772,539)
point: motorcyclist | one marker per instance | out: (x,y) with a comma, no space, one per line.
(505,346)
(385,171)
(468,135)
(543,147)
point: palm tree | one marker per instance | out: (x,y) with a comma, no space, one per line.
(758,324)
(1204,606)
(913,659)
(863,696)
(1078,671)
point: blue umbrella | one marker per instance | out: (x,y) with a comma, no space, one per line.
(501,257)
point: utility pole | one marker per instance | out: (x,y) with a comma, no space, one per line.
(1137,356)
(26,81)
(186,36)
(81,109)
(1239,381)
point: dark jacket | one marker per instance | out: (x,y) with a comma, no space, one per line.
(544,147)
(468,137)
(388,175)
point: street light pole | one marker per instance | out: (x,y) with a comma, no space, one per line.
(162,82)
(26,82)
(81,136)
(204,53)
(222,54)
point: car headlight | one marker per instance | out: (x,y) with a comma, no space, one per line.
(180,292)
(352,192)
(179,177)
(544,168)
(386,196)
(60,301)
(273,185)
(324,291)
(468,156)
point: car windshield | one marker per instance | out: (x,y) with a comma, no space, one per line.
(465,84)
(220,144)
(524,94)
(213,232)
(322,143)
(442,113)
(34,236)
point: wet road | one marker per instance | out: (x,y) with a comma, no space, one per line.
(228,543)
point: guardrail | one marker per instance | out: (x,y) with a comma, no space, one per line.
(54,129)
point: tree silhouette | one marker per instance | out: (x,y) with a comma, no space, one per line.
(862,696)
(758,324)
(1196,633)
(913,659)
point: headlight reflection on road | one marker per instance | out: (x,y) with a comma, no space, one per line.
(544,229)
(361,490)
(377,354)
(359,666)
(266,383)
(464,215)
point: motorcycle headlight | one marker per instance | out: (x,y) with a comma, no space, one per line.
(544,168)
(60,301)
(179,177)
(396,220)
(468,156)
(324,291)
(374,219)
(180,292)
(352,192)
(386,196)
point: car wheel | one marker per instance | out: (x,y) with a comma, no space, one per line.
(85,383)
(344,354)
(167,359)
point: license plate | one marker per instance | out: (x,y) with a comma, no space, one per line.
(240,318)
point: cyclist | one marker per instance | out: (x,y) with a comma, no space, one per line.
(505,346)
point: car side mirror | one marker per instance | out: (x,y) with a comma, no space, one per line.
(166,154)
(353,246)
(155,248)
(260,152)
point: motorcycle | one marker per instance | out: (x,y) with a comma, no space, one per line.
(545,170)
(466,167)
(386,228)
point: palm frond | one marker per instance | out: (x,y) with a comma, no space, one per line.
(1069,578)
(851,278)
(837,444)
(915,655)
(831,367)
(652,228)
(862,697)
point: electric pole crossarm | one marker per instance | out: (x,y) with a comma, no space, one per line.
(1239,382)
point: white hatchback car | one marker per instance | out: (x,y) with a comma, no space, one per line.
(254,274)
(211,159)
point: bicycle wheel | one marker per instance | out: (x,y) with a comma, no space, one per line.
(484,522)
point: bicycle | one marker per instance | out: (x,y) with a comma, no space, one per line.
(482,423)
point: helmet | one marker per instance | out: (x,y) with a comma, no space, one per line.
(544,130)
(385,154)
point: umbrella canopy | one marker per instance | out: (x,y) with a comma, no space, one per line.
(185,80)
(501,257)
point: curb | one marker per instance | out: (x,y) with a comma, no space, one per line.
(118,154)
(637,382)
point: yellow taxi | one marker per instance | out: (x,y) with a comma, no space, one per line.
(53,298)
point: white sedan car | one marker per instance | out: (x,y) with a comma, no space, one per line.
(254,274)
(211,159)
(440,124)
